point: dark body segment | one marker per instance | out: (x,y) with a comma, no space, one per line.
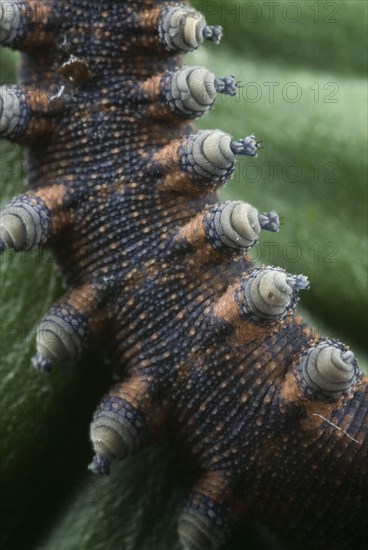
(205,346)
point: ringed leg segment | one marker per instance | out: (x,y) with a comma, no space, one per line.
(259,304)
(120,425)
(266,295)
(183,29)
(14,112)
(199,163)
(192,91)
(12,25)
(32,220)
(204,522)
(328,370)
(26,114)
(232,227)
(189,92)
(236,226)
(211,154)
(24,23)
(69,328)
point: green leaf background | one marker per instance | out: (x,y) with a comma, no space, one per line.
(316,146)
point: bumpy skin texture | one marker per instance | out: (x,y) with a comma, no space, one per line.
(119,191)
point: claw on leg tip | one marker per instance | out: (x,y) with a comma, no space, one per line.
(42,364)
(100,465)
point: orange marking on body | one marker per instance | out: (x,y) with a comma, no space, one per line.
(82,298)
(193,232)
(213,485)
(151,87)
(148,19)
(179,181)
(53,196)
(169,155)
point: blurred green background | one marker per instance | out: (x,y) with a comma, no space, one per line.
(302,66)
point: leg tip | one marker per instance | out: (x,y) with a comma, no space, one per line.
(194,534)
(42,364)
(100,465)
